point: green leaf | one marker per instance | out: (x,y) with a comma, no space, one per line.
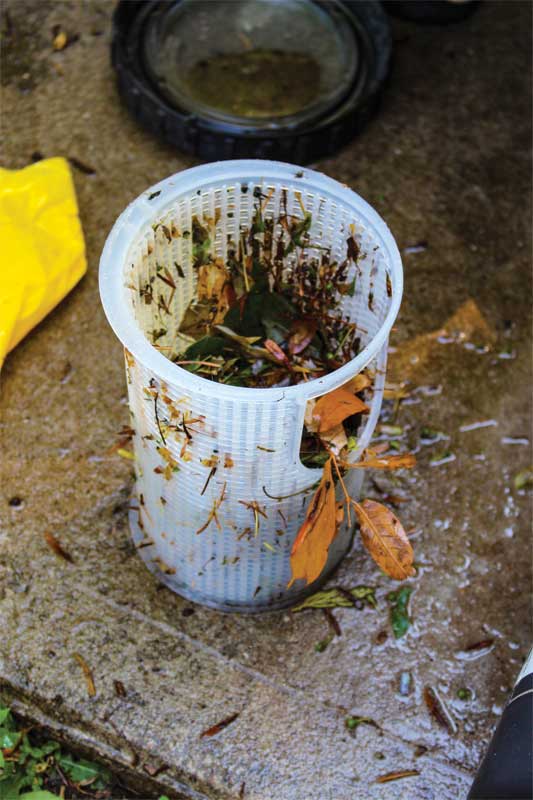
(206,346)
(297,232)
(82,771)
(265,314)
(11,784)
(245,318)
(315,459)
(38,752)
(201,243)
(323,643)
(4,714)
(398,609)
(40,794)
(337,598)
(523,479)
(8,738)
(353,722)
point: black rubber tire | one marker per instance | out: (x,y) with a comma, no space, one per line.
(211,140)
(431,12)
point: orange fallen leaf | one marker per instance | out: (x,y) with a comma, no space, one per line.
(372,461)
(359,383)
(385,539)
(467,324)
(333,408)
(87,674)
(310,549)
(54,545)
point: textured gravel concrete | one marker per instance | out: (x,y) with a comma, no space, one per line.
(446,162)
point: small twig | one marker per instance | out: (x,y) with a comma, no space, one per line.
(54,545)
(206,484)
(201,363)
(213,512)
(332,621)
(214,729)
(156,398)
(395,776)
(294,494)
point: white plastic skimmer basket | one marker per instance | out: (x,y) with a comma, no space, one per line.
(186,424)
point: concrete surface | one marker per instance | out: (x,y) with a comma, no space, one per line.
(447,161)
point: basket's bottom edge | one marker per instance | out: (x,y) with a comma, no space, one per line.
(272,606)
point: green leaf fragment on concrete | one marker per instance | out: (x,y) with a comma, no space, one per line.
(523,479)
(323,643)
(353,722)
(399,610)
(340,598)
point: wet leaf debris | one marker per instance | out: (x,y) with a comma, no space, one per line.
(270,314)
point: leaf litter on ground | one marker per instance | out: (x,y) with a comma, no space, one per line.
(34,767)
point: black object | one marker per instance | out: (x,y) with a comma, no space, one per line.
(170,57)
(506,772)
(433,12)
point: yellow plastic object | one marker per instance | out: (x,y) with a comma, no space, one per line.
(41,245)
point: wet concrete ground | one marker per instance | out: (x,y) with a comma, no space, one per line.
(447,162)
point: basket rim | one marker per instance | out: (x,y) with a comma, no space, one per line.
(155,201)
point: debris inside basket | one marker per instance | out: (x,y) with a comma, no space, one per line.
(270,313)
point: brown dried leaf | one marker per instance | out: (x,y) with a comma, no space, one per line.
(54,545)
(310,549)
(120,689)
(87,674)
(466,325)
(211,280)
(335,439)
(385,539)
(359,383)
(333,408)
(398,461)
(225,301)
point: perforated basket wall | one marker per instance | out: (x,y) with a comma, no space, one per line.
(185,424)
